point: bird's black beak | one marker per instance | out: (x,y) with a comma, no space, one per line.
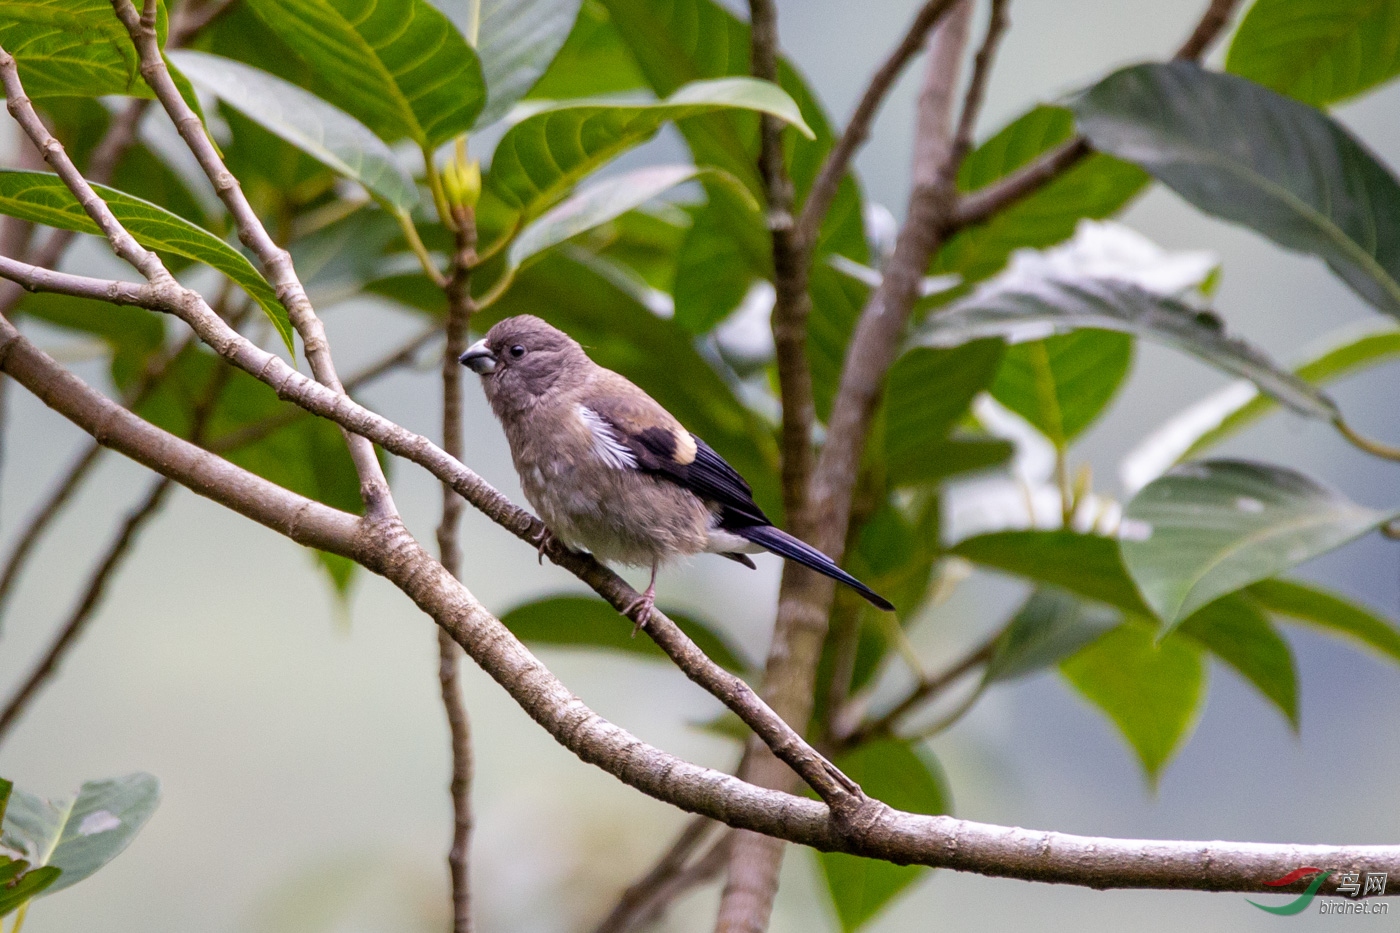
(479,358)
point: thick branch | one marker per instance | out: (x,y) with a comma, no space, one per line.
(276,261)
(858,127)
(805,602)
(387,549)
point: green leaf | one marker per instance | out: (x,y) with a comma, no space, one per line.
(1209,528)
(1321,609)
(1097,187)
(548,152)
(929,392)
(952,457)
(1151,690)
(399,66)
(1252,156)
(1089,565)
(1062,383)
(73,48)
(1230,410)
(594,60)
(132,333)
(601,202)
(1236,631)
(517,41)
(837,301)
(1050,626)
(906,776)
(1318,51)
(896,552)
(32,883)
(582,621)
(43,198)
(331,136)
(723,253)
(80,834)
(1029,304)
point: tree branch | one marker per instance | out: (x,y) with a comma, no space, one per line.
(459,312)
(645,898)
(805,602)
(838,161)
(939,841)
(997,24)
(982,204)
(276,261)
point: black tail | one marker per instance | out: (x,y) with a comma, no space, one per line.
(785,545)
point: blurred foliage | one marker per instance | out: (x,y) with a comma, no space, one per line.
(333,122)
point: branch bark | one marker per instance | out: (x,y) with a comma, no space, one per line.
(276,261)
(805,601)
(938,841)
(459,312)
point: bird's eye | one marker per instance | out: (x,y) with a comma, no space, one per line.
(517,351)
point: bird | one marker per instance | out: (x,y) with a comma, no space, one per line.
(612,472)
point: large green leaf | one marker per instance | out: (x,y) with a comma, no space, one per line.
(929,392)
(584,622)
(1089,565)
(18,884)
(80,834)
(1318,51)
(1097,187)
(516,41)
(548,152)
(906,776)
(399,66)
(1050,626)
(73,47)
(329,135)
(1236,631)
(724,252)
(132,333)
(1062,383)
(1252,156)
(1321,609)
(1151,690)
(593,61)
(43,198)
(837,300)
(1029,304)
(1233,408)
(600,203)
(1210,528)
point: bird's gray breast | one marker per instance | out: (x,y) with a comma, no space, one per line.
(591,498)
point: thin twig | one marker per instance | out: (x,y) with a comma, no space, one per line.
(984,203)
(857,130)
(997,24)
(1361,442)
(116,553)
(459,313)
(276,261)
(637,904)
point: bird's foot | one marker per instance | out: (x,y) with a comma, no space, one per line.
(542,541)
(641,609)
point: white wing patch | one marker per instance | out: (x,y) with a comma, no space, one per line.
(605,441)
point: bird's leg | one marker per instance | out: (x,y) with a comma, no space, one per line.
(640,610)
(542,541)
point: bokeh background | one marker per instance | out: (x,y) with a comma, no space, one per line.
(302,746)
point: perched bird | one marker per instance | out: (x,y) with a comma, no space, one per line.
(611,471)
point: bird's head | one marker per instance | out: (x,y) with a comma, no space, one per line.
(522,358)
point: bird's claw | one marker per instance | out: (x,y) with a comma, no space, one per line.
(641,609)
(542,541)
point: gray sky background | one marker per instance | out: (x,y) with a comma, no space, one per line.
(304,758)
